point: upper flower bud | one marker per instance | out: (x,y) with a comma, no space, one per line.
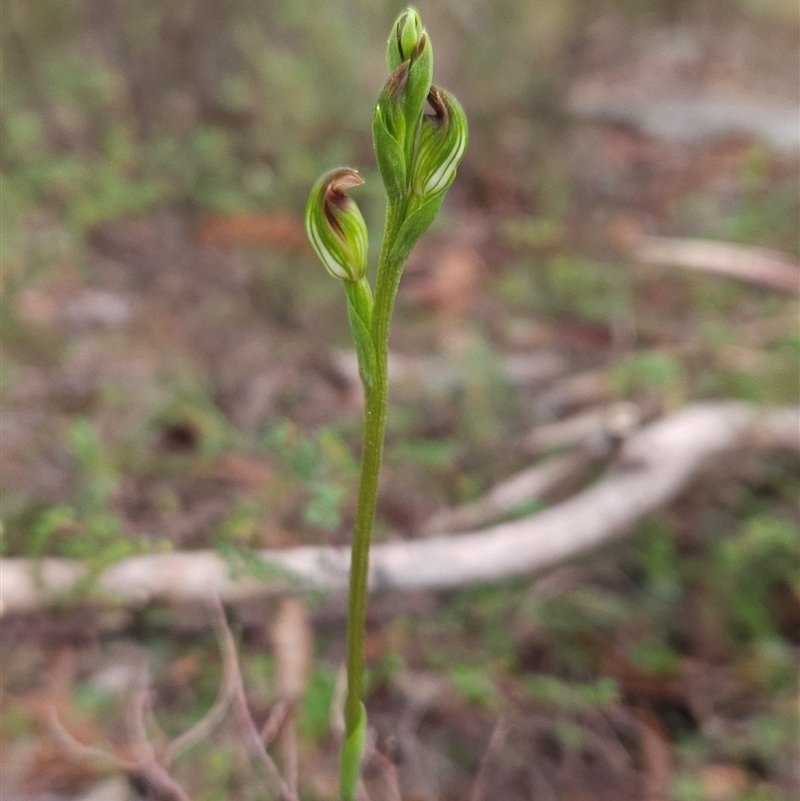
(442,142)
(407,39)
(409,44)
(335,227)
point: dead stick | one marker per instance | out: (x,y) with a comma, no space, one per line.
(761,266)
(654,466)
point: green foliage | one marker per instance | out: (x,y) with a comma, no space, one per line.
(580,610)
(222,771)
(686,787)
(474,684)
(323,463)
(247,562)
(87,528)
(314,714)
(436,453)
(748,567)
(655,658)
(647,370)
(587,289)
(660,561)
(243,524)
(17,722)
(570,696)
(774,736)
(534,233)
(482,614)
(771,665)
(764,213)
(93,701)
(203,430)
(569,734)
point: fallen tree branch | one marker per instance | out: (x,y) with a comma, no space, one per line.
(654,465)
(598,424)
(526,486)
(769,268)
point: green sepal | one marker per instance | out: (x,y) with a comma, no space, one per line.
(388,133)
(352,751)
(417,221)
(420,76)
(359,314)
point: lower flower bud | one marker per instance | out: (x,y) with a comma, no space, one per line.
(334,225)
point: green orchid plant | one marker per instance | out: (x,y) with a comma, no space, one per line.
(420,135)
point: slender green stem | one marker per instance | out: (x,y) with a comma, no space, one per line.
(389,271)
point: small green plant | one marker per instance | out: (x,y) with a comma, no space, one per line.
(418,154)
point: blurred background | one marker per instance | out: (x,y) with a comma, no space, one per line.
(177,375)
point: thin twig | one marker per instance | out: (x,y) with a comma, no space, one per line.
(145,765)
(289,751)
(380,777)
(215,715)
(273,724)
(85,753)
(150,720)
(157,777)
(240,708)
(337,703)
(137,731)
(481,784)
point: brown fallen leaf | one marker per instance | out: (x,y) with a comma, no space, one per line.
(447,278)
(246,473)
(723,782)
(272,230)
(656,755)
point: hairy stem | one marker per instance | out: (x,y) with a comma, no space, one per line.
(389,271)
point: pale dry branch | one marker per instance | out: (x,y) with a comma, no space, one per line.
(597,426)
(529,485)
(768,268)
(575,391)
(654,465)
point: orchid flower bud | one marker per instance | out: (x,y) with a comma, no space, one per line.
(404,39)
(442,142)
(409,44)
(335,227)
